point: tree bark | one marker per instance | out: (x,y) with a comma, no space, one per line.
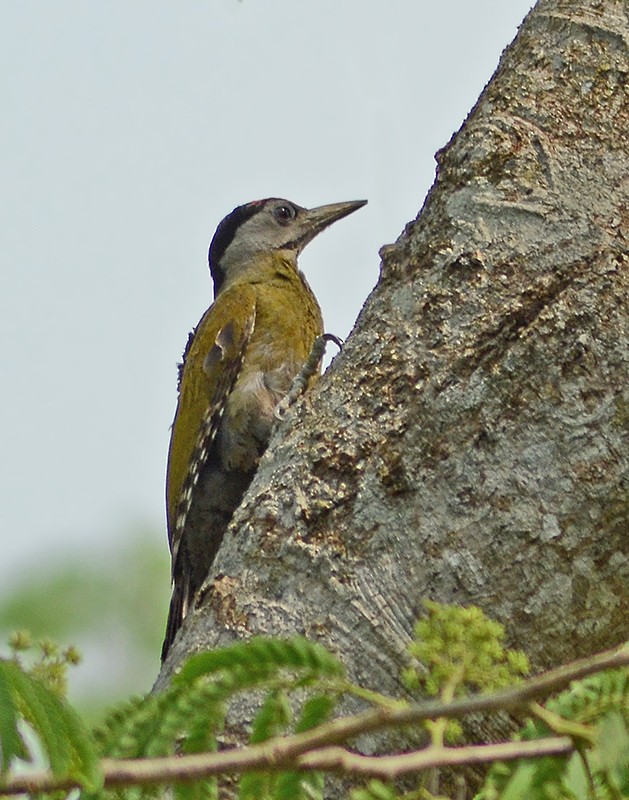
(469,444)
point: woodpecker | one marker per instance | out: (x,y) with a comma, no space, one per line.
(239,363)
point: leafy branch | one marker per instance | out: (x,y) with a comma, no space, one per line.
(171,738)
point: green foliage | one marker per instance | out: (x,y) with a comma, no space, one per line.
(190,712)
(599,770)
(261,657)
(375,790)
(35,698)
(44,660)
(295,686)
(11,743)
(315,711)
(189,715)
(378,790)
(456,649)
(272,720)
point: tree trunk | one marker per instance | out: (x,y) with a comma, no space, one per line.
(469,444)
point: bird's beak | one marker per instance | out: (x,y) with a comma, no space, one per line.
(313,220)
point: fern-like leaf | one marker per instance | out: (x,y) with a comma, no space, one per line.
(11,744)
(295,785)
(375,790)
(66,741)
(263,655)
(601,702)
(271,720)
(205,789)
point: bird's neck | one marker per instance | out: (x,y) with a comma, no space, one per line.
(267,268)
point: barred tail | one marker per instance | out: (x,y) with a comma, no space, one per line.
(177,610)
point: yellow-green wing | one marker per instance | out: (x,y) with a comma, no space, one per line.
(211,366)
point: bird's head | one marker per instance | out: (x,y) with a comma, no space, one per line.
(268,226)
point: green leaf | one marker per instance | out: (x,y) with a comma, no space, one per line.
(306,785)
(262,655)
(271,720)
(66,741)
(375,790)
(256,786)
(576,778)
(205,723)
(206,789)
(126,729)
(613,748)
(316,710)
(11,743)
(299,786)
(520,786)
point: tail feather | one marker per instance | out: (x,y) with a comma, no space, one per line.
(176,613)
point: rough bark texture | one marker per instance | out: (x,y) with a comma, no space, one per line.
(469,445)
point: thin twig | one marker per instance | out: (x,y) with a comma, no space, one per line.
(337,759)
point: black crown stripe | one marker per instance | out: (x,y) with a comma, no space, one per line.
(224,236)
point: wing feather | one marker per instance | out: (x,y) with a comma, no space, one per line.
(211,367)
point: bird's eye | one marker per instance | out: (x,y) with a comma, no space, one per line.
(284,214)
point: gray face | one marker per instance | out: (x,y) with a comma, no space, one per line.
(267,226)
(276,225)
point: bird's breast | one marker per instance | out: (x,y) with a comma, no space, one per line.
(288,320)
(249,415)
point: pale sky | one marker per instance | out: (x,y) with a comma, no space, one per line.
(129,129)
